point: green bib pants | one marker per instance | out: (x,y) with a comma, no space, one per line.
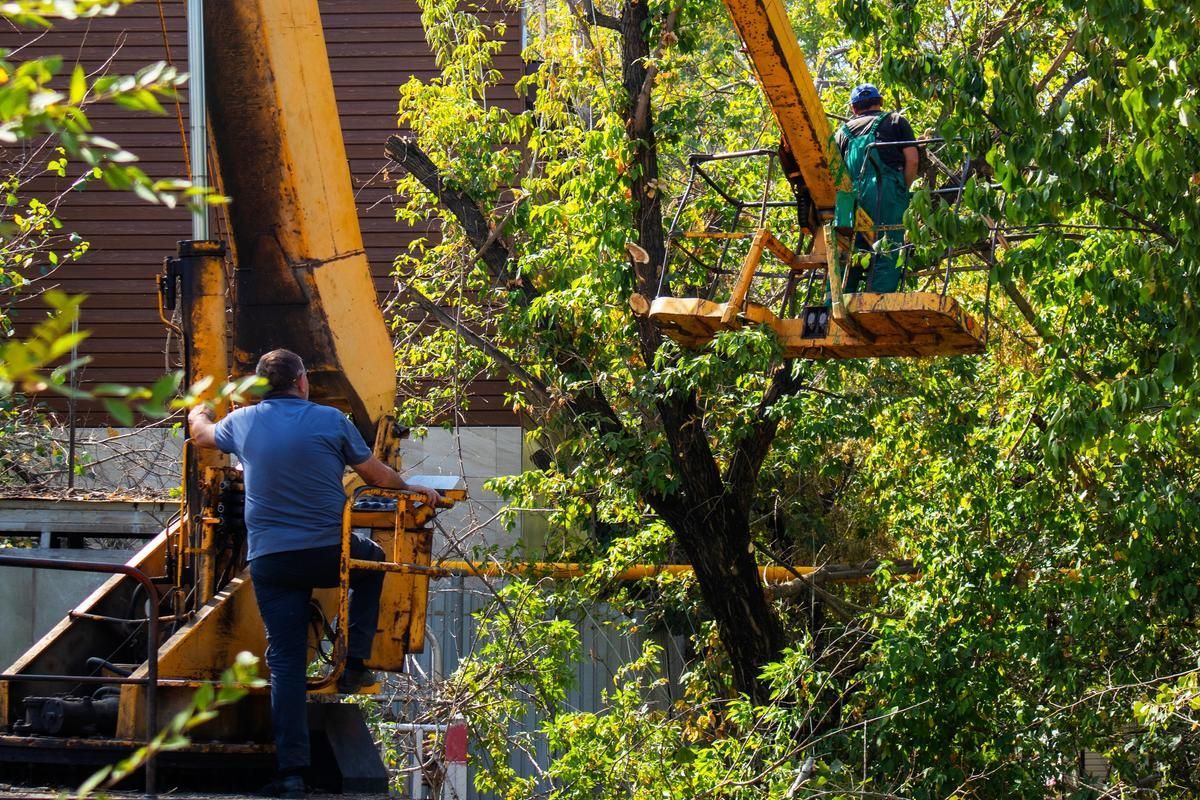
(882,194)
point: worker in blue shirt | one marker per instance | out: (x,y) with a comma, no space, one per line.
(881,176)
(294,454)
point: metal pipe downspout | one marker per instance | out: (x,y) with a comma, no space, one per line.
(197,118)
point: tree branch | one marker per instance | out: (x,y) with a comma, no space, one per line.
(1018,300)
(498,260)
(1057,63)
(408,154)
(1143,221)
(642,107)
(502,359)
(691,451)
(581,18)
(993,34)
(638,83)
(752,450)
(599,18)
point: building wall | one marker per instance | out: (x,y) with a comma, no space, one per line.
(374,46)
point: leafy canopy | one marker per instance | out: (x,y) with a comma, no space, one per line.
(1045,491)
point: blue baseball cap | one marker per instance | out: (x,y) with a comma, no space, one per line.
(864,93)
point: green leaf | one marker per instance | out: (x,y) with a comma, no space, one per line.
(166,386)
(204,696)
(78,85)
(118,411)
(91,784)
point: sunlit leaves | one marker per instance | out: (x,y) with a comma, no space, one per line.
(1072,447)
(35,102)
(44,107)
(1045,491)
(42,12)
(22,362)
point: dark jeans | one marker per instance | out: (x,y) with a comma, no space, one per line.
(283,584)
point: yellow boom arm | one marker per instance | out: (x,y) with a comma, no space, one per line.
(778,61)
(303,280)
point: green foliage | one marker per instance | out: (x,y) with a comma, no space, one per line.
(41,12)
(595,752)
(28,443)
(33,103)
(1046,491)
(555,181)
(43,102)
(27,364)
(23,362)
(523,664)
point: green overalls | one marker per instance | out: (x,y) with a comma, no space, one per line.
(882,194)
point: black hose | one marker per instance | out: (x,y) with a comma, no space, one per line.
(96,663)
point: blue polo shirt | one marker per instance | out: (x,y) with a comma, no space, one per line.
(294,454)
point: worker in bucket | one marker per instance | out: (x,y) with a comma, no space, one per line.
(881,159)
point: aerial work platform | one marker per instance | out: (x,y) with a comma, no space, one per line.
(901,324)
(798,206)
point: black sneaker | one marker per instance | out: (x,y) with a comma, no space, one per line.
(353,680)
(289,786)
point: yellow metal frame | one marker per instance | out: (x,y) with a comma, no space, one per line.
(564,570)
(407,542)
(303,275)
(775,53)
(901,324)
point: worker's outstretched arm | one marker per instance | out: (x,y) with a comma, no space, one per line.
(377,473)
(201,428)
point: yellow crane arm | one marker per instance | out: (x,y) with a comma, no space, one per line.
(775,53)
(303,279)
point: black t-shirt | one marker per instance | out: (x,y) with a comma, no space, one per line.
(894,128)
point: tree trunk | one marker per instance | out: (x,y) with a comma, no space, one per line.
(647,199)
(717,545)
(711,523)
(709,514)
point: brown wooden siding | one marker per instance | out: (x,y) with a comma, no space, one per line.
(374,47)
